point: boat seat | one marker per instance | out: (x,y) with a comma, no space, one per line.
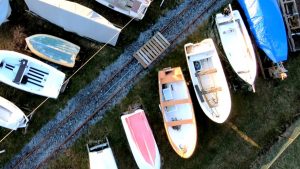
(179,122)
(228,31)
(21,71)
(199,93)
(212,90)
(207,71)
(242,72)
(174,102)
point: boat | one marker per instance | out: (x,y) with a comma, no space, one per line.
(133,8)
(263,17)
(29,74)
(141,140)
(5,10)
(53,49)
(11,116)
(208,79)
(76,18)
(101,156)
(177,111)
(237,45)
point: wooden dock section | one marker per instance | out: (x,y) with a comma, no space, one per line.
(290,13)
(152,49)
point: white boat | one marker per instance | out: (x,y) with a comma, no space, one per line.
(53,49)
(76,18)
(101,156)
(11,116)
(133,8)
(208,79)
(141,140)
(177,111)
(29,74)
(237,45)
(5,10)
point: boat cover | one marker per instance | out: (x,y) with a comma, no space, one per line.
(267,26)
(76,18)
(5,10)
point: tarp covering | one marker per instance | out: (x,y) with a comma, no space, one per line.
(267,26)
(76,18)
(5,10)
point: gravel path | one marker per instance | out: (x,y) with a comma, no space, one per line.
(113,92)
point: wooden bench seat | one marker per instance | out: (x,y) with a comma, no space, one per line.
(179,122)
(175,102)
(207,71)
(212,90)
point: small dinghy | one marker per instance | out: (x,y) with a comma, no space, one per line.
(177,111)
(11,116)
(133,8)
(53,49)
(101,156)
(28,74)
(5,10)
(208,79)
(237,45)
(141,140)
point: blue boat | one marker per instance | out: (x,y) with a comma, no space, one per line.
(267,26)
(53,49)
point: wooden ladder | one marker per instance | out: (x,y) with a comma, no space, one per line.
(292,20)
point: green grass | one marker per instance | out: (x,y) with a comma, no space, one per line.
(22,24)
(258,115)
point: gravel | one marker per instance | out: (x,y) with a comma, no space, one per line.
(116,90)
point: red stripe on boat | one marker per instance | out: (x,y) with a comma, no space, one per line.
(142,136)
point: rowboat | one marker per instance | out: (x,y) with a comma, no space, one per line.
(11,116)
(101,156)
(133,8)
(267,26)
(76,18)
(237,45)
(208,79)
(53,49)
(141,140)
(177,111)
(5,10)
(29,74)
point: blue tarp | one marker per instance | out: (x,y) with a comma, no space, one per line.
(267,26)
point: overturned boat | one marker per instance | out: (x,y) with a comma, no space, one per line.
(53,49)
(177,111)
(141,140)
(208,79)
(76,18)
(29,74)
(133,8)
(5,10)
(11,116)
(237,45)
(101,156)
(267,26)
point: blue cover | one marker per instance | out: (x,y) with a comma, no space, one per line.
(267,26)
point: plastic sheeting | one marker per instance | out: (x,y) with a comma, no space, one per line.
(267,26)
(76,18)
(5,10)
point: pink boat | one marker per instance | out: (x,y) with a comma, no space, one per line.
(141,140)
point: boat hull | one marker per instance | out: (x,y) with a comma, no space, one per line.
(209,81)
(5,10)
(29,74)
(53,49)
(237,45)
(11,116)
(177,111)
(141,140)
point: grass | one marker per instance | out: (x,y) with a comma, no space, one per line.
(259,116)
(22,24)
